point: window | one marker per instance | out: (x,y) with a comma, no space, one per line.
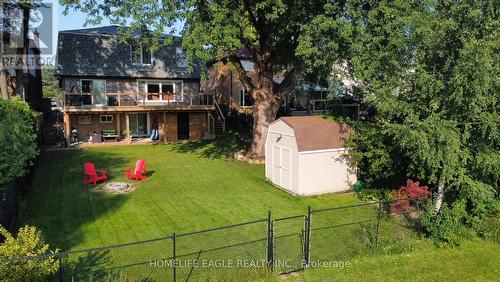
(106,118)
(246,99)
(84,119)
(181,59)
(159,90)
(141,56)
(86,86)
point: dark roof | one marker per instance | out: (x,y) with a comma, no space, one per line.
(98,52)
(316,133)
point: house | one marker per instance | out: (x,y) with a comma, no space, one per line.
(129,92)
(305,155)
(307,98)
(223,82)
(14,66)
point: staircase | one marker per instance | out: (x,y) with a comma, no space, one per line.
(219,121)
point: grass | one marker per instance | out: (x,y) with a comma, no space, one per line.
(192,186)
(195,186)
(475,260)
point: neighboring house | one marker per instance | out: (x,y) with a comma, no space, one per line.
(223,82)
(123,87)
(12,68)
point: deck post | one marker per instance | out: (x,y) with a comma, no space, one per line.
(118,126)
(67,128)
(127,125)
(164,126)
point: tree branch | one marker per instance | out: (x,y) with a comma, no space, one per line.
(253,19)
(245,80)
(290,80)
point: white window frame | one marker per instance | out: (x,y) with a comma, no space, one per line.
(141,55)
(108,119)
(242,102)
(160,83)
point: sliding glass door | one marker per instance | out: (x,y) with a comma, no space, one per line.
(138,124)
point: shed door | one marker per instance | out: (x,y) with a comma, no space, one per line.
(281,167)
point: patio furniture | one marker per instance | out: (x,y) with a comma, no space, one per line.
(109,135)
(96,138)
(139,172)
(90,174)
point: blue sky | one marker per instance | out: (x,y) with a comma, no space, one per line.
(74,20)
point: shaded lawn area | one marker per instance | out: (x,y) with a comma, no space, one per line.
(192,186)
(475,260)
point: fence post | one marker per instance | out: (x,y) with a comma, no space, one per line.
(270,259)
(379,215)
(307,237)
(174,258)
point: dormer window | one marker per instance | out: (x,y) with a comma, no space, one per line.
(180,57)
(141,56)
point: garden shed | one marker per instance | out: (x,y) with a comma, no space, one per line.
(306,155)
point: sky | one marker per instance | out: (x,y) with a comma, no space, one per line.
(74,20)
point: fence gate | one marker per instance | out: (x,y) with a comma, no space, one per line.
(289,241)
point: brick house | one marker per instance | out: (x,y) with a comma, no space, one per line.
(224,84)
(113,86)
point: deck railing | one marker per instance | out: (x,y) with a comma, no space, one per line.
(136,99)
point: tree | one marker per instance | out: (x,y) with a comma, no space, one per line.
(50,83)
(15,252)
(17,138)
(269,30)
(431,71)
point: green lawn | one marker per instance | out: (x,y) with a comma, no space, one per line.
(195,186)
(475,260)
(192,186)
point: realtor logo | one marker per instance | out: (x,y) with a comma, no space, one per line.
(40,32)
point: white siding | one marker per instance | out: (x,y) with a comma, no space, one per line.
(324,172)
(281,143)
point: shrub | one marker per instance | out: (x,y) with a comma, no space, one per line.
(29,243)
(371,195)
(415,192)
(17,138)
(446,226)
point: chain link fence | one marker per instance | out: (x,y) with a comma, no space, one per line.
(246,251)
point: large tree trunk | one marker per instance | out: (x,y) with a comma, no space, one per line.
(264,113)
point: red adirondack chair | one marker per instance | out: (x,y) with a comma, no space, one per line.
(139,171)
(90,174)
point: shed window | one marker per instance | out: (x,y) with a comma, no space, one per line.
(84,119)
(106,118)
(246,99)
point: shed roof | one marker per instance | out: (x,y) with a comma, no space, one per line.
(317,133)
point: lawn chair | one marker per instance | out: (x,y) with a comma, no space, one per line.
(139,171)
(90,174)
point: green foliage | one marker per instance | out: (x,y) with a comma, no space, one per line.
(17,138)
(50,85)
(372,155)
(14,251)
(372,195)
(446,226)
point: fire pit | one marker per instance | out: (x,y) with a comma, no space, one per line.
(117,187)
